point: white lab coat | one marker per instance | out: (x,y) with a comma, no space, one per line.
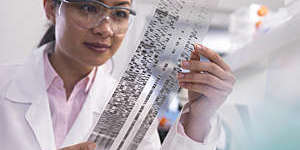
(25,117)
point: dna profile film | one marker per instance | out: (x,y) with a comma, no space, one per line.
(150,76)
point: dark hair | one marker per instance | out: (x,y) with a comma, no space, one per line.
(49,36)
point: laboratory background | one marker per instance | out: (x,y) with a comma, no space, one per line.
(259,39)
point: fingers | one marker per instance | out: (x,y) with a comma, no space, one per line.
(212,56)
(204,78)
(206,90)
(212,68)
(211,79)
(81,146)
(195,55)
(216,66)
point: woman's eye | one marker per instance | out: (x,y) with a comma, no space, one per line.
(88,8)
(121,14)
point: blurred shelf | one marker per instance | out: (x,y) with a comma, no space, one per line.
(265,45)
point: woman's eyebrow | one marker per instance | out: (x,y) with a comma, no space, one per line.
(121,3)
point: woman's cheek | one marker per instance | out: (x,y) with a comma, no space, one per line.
(117,42)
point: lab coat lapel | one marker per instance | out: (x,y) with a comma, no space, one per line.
(39,118)
(28,87)
(95,102)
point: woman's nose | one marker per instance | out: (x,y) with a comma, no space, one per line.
(104,28)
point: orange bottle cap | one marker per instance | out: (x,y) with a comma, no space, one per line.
(258,24)
(263,11)
(163,121)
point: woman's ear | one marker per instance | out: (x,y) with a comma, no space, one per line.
(50,10)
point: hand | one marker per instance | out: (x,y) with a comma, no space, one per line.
(81,146)
(208,84)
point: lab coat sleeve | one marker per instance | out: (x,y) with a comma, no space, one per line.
(178,140)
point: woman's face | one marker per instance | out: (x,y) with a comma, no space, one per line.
(87,46)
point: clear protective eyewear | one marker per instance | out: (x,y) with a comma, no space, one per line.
(91,13)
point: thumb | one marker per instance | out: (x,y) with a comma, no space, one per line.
(91,146)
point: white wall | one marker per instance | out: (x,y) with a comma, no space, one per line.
(234,4)
(22,25)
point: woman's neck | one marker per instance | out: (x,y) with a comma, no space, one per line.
(69,70)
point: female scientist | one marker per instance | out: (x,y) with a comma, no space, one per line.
(48,102)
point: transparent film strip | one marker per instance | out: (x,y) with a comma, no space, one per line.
(150,76)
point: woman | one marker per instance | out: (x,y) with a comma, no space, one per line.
(48,102)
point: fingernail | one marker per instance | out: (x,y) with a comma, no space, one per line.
(180,75)
(92,146)
(186,64)
(197,46)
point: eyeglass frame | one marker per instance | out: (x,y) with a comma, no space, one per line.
(131,11)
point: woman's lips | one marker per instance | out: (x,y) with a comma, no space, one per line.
(97,47)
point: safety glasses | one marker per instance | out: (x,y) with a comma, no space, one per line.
(92,13)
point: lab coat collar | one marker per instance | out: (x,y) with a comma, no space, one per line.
(28,86)
(28,83)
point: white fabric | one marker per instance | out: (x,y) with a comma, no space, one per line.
(25,119)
